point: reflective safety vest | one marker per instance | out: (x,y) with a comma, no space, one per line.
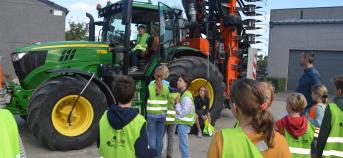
(121,142)
(301,147)
(236,144)
(334,143)
(170,118)
(141,42)
(188,119)
(157,105)
(9,135)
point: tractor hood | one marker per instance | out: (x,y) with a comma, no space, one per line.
(62,44)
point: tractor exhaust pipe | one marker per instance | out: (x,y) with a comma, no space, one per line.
(91,27)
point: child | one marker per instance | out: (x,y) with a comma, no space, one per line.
(320,97)
(255,135)
(170,119)
(295,127)
(202,106)
(185,113)
(11,144)
(122,130)
(268,91)
(156,109)
(330,137)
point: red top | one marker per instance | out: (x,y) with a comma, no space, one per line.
(295,126)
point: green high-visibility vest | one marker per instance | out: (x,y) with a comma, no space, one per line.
(334,144)
(157,105)
(9,135)
(121,142)
(301,147)
(188,119)
(141,42)
(236,144)
(170,117)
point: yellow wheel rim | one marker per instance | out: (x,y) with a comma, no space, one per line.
(197,84)
(81,118)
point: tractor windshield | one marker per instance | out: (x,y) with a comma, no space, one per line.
(116,30)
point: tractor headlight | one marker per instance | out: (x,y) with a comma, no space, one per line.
(18,56)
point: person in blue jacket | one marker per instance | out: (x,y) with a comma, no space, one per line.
(310,78)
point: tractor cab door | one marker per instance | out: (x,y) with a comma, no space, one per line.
(167,24)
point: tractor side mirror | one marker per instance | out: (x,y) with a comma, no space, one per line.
(127,12)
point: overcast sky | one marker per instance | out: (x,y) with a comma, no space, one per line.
(78,8)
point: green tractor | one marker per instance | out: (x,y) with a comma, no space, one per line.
(66,86)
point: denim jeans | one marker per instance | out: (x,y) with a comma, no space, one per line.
(155,134)
(170,130)
(134,55)
(183,131)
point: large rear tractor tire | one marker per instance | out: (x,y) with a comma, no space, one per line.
(197,68)
(50,106)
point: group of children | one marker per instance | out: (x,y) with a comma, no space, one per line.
(125,133)
(318,133)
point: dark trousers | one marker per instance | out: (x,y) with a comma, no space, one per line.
(134,56)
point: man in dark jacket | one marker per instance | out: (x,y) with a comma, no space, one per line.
(310,78)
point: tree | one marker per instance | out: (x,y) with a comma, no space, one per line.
(77,31)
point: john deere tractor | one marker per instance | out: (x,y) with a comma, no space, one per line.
(66,86)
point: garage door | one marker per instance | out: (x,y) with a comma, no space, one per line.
(328,63)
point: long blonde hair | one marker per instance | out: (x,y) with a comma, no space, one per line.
(161,73)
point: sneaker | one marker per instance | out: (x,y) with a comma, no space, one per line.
(199,134)
(133,69)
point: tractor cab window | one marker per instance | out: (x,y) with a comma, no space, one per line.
(115,30)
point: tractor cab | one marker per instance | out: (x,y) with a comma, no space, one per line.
(116,32)
(157,20)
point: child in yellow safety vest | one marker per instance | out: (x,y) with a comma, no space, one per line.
(11,145)
(330,139)
(157,104)
(185,113)
(297,130)
(254,136)
(170,127)
(122,130)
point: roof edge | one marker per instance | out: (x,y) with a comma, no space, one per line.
(327,7)
(52,4)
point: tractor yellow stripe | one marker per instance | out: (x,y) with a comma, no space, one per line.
(73,45)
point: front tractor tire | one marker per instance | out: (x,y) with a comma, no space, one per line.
(197,68)
(50,106)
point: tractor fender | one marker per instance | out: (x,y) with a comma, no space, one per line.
(188,52)
(86,75)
